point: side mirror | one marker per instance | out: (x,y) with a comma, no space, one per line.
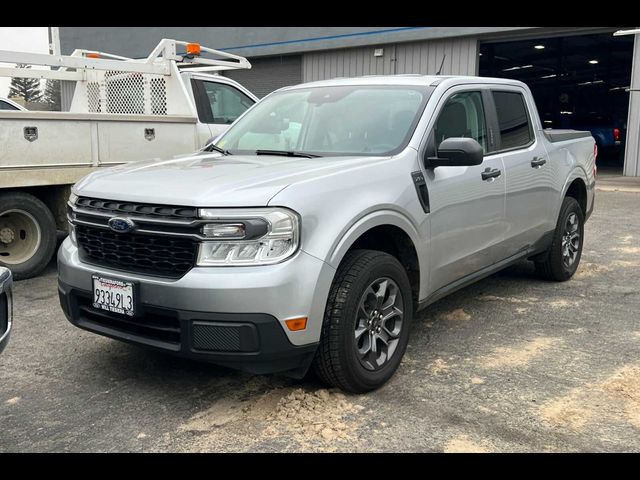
(457,152)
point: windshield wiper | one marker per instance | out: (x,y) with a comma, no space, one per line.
(286,153)
(215,148)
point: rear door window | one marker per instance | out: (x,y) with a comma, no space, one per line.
(513,120)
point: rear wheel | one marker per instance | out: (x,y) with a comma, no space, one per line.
(563,257)
(366,324)
(27,234)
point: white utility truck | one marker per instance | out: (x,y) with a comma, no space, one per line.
(122,110)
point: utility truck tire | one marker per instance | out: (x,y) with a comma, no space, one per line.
(27,234)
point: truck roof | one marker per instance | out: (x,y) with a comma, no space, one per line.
(405,79)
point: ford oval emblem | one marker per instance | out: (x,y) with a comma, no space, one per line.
(121,224)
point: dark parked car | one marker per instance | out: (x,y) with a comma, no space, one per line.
(6,306)
(607,133)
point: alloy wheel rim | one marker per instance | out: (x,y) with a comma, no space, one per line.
(571,240)
(379,323)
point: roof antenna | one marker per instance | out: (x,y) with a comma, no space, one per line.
(441,64)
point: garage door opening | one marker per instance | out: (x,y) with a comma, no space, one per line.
(579,82)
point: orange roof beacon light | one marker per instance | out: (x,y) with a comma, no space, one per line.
(296,324)
(93,55)
(193,49)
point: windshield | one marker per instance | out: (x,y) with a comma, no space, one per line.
(330,121)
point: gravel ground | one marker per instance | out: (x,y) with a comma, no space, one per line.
(509,364)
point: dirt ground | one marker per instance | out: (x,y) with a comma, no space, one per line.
(509,364)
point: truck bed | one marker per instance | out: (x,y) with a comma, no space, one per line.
(66,145)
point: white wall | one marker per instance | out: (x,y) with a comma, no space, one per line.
(632,150)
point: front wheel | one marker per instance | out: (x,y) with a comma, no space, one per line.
(366,323)
(563,257)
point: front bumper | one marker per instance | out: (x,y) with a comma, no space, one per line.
(225,315)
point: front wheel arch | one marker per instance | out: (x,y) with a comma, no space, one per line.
(358,235)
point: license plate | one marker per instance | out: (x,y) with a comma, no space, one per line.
(113,295)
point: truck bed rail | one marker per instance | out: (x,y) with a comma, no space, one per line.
(554,135)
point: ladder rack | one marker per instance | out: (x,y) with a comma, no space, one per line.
(74,67)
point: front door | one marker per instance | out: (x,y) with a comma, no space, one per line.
(467,203)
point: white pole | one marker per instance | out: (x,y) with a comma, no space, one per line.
(54,37)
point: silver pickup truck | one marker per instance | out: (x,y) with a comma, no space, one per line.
(315,228)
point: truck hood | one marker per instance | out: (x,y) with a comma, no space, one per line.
(210,180)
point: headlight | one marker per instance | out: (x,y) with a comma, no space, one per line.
(248,237)
(73,198)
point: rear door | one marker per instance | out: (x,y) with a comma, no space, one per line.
(529,171)
(466,203)
(219,103)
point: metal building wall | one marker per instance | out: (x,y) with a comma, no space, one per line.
(269,74)
(632,150)
(423,57)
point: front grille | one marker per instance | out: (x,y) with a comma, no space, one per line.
(154,323)
(116,208)
(133,252)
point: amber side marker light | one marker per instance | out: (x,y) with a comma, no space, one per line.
(193,49)
(93,55)
(296,324)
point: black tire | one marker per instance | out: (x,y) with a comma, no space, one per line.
(552,265)
(37,211)
(337,361)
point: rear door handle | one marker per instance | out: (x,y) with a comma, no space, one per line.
(489,173)
(537,162)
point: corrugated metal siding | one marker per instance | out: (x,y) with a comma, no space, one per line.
(414,57)
(425,57)
(632,151)
(269,74)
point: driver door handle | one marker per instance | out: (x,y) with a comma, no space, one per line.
(537,162)
(490,173)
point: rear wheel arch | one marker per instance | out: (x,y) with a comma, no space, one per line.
(578,189)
